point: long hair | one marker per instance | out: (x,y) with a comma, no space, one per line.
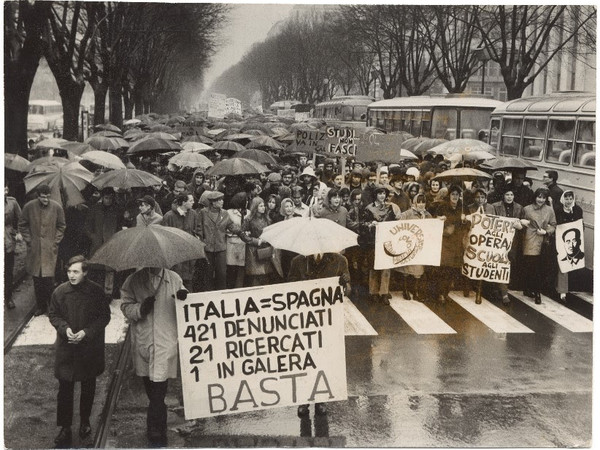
(256,202)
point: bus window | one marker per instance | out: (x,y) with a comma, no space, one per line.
(560,141)
(415,123)
(585,145)
(533,138)
(471,122)
(511,137)
(426,128)
(494,127)
(443,124)
(406,120)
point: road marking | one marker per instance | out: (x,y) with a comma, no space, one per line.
(586,296)
(39,330)
(558,313)
(419,317)
(355,324)
(492,316)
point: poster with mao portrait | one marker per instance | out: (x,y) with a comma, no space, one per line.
(569,246)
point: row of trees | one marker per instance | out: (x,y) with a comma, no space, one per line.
(141,55)
(406,49)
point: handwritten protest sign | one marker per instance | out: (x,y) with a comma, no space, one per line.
(380,147)
(569,246)
(258,348)
(408,242)
(341,141)
(310,141)
(486,254)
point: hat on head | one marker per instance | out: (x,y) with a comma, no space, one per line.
(308,171)
(214,195)
(413,171)
(274,177)
(147,199)
(383,169)
(107,191)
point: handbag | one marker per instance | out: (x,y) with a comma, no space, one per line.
(264,253)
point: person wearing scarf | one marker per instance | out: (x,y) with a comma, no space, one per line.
(378,211)
(147,215)
(412,281)
(566,212)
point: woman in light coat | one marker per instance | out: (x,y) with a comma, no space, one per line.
(259,271)
(236,247)
(539,221)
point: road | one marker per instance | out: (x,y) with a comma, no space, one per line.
(423,375)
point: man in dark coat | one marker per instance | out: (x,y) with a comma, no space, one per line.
(79,313)
(42,226)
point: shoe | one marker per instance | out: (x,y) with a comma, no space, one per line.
(39,312)
(10,304)
(446,298)
(563,298)
(528,294)
(303,411)
(406,295)
(506,300)
(64,438)
(478,300)
(320,409)
(538,298)
(85,430)
(466,292)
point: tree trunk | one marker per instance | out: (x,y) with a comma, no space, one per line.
(71,100)
(100,91)
(115,104)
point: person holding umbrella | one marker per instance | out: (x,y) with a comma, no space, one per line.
(539,221)
(149,305)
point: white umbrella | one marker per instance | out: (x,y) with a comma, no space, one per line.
(309,236)
(195,147)
(104,159)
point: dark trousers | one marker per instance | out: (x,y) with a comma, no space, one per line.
(9,267)
(43,287)
(217,265)
(533,280)
(156,419)
(64,411)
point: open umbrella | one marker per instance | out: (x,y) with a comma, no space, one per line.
(254,132)
(462,146)
(106,133)
(162,135)
(477,155)
(199,138)
(132,122)
(134,134)
(151,246)
(107,143)
(126,179)
(309,235)
(190,159)
(422,147)
(236,166)
(264,142)
(66,182)
(153,145)
(15,162)
(195,147)
(107,127)
(161,127)
(78,148)
(256,155)
(39,164)
(51,143)
(228,145)
(463,174)
(411,143)
(507,163)
(237,137)
(104,159)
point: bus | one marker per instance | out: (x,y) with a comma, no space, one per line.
(554,132)
(347,110)
(447,116)
(44,115)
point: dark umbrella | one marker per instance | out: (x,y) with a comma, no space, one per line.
(257,155)
(199,138)
(264,142)
(236,166)
(107,143)
(40,163)
(411,143)
(153,145)
(151,246)
(126,179)
(107,133)
(422,147)
(161,127)
(65,181)
(228,145)
(78,148)
(507,163)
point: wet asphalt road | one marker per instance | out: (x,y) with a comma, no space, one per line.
(475,388)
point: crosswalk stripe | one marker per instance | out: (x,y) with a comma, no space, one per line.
(584,296)
(492,316)
(558,313)
(39,330)
(419,317)
(355,324)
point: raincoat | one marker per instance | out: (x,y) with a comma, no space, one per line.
(42,228)
(154,337)
(540,217)
(12,213)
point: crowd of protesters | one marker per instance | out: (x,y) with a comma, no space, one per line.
(228,214)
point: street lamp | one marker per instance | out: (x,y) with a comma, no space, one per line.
(482,54)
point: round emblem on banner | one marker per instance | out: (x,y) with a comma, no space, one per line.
(404,245)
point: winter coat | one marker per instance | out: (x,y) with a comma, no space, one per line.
(190,224)
(42,228)
(331,265)
(12,214)
(236,247)
(253,229)
(153,218)
(454,233)
(213,227)
(153,337)
(564,217)
(339,215)
(540,217)
(79,307)
(378,213)
(102,222)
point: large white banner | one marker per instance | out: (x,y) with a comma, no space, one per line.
(569,246)
(408,242)
(257,348)
(486,254)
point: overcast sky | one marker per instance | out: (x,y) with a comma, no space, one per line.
(249,23)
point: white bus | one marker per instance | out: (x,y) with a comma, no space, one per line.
(44,115)
(555,132)
(447,116)
(347,110)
